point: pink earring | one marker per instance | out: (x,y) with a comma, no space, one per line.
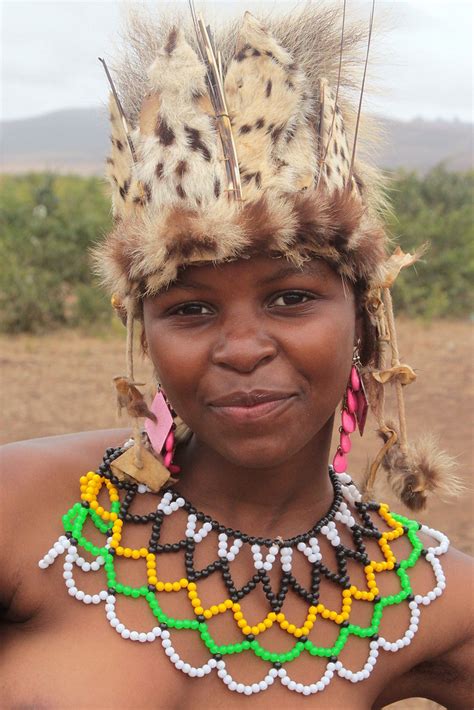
(354,413)
(161,432)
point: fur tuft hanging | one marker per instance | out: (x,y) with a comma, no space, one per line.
(422,470)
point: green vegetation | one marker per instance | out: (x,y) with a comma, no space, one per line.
(48,224)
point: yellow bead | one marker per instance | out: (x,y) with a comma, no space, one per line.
(307,626)
(136,554)
(94,504)
(199,610)
(176,586)
(261,627)
(272,616)
(235,607)
(192,586)
(237,616)
(160,586)
(291,629)
(119,550)
(247,630)
(207,614)
(285,624)
(333,615)
(325,614)
(192,594)
(255,630)
(242,623)
(228,603)
(346,592)
(127,552)
(143,552)
(313,609)
(320,608)
(268,623)
(152,579)
(280,617)
(222,607)
(169,587)
(183,583)
(195,602)
(297,633)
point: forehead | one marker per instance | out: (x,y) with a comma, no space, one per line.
(257,270)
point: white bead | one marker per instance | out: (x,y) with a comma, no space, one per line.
(254,548)
(232,686)
(170,651)
(212,663)
(80,595)
(67,575)
(134,635)
(286,567)
(125,634)
(292,685)
(248,690)
(299,687)
(220,664)
(255,688)
(230,556)
(174,658)
(142,637)
(67,566)
(72,591)
(96,599)
(114,622)
(258,564)
(301,546)
(319,686)
(200,672)
(273,673)
(87,599)
(285,680)
(119,628)
(42,564)
(179,664)
(166,643)
(306,690)
(240,687)
(165,634)
(282,672)
(267,566)
(70,583)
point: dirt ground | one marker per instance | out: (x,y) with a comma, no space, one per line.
(61,383)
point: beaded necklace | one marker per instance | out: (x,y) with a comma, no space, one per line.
(265,553)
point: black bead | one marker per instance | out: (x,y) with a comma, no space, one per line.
(345,624)
(163,626)
(73,541)
(396,565)
(333,659)
(424,552)
(200,617)
(151,588)
(410,598)
(85,504)
(375,637)
(377,598)
(218,656)
(277,665)
(250,637)
(111,590)
(111,551)
(303,639)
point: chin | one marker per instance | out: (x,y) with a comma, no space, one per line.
(261,453)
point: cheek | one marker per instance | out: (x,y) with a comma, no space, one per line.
(178,363)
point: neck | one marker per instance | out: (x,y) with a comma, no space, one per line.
(279,501)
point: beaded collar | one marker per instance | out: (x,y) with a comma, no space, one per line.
(347,511)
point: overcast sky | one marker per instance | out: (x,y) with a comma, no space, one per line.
(49,53)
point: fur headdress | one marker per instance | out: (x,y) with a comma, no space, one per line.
(244,142)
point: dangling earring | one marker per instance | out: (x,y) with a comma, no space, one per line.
(353,414)
(161,432)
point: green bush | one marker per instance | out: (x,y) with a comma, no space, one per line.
(49,222)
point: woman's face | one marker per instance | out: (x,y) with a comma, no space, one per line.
(253,354)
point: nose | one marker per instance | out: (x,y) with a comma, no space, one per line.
(243,346)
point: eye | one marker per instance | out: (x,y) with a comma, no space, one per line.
(291,298)
(193,308)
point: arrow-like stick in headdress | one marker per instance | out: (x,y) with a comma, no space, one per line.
(216,93)
(321,121)
(356,132)
(120,109)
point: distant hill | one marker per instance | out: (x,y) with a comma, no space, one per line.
(76,141)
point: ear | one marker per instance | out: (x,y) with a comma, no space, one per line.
(143,340)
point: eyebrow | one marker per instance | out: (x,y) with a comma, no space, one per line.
(309,268)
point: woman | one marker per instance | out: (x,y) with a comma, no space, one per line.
(248,247)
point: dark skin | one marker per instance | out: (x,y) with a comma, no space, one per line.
(241,327)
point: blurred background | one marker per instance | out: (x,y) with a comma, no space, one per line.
(60,345)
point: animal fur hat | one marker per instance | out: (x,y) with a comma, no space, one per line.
(240,143)
(266,166)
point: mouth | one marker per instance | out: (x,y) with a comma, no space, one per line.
(248,406)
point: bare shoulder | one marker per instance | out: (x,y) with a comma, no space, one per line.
(442,660)
(38,477)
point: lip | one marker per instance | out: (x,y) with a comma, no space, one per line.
(247,406)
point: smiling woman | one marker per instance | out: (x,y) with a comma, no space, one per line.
(248,245)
